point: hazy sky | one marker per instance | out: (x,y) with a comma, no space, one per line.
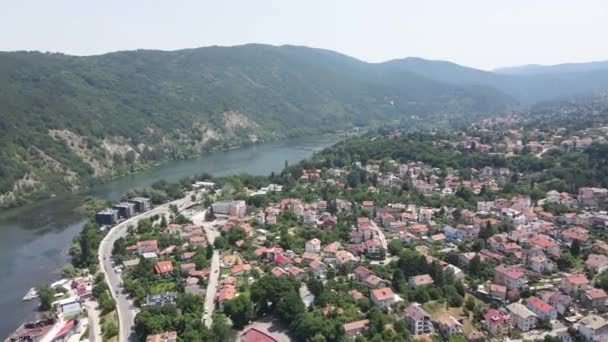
(478,33)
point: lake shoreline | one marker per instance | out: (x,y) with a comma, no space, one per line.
(34,238)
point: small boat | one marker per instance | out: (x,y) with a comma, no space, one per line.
(31,294)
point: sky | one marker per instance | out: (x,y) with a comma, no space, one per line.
(479,33)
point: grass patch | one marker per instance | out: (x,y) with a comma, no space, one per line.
(162,286)
(109,327)
(434,308)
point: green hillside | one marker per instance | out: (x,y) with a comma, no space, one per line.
(68,120)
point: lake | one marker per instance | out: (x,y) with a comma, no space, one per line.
(34,239)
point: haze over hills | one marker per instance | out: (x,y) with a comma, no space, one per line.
(527,87)
(68,120)
(533,69)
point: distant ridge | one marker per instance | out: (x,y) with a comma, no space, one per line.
(535,69)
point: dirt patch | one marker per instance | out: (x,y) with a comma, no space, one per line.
(27,183)
(119,145)
(236,120)
(79,145)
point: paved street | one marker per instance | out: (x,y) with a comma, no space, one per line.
(214,274)
(125,309)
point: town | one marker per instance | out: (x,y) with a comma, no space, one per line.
(494,232)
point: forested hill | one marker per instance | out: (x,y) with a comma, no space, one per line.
(66,120)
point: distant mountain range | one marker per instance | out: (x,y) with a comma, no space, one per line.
(67,121)
(535,69)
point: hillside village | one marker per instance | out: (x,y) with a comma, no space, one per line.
(494,232)
(400,249)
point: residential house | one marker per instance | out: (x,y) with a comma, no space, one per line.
(511,277)
(523,317)
(345,258)
(167,336)
(597,263)
(240,269)
(256,335)
(361,273)
(498,292)
(373,246)
(420,280)
(310,217)
(541,264)
(574,283)
(561,302)
(355,295)
(452,234)
(318,268)
(593,328)
(498,322)
(147,246)
(376,282)
(383,297)
(163,267)
(541,309)
(418,320)
(279,272)
(448,325)
(353,329)
(227,292)
(594,298)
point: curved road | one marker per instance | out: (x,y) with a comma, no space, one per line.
(125,309)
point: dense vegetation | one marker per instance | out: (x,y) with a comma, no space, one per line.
(155,105)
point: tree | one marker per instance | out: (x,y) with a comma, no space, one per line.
(475,266)
(289,306)
(110,329)
(240,310)
(575,248)
(220,243)
(566,261)
(209,215)
(457,338)
(487,232)
(220,328)
(46,295)
(470,303)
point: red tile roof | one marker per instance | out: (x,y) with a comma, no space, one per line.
(539,304)
(163,267)
(255,335)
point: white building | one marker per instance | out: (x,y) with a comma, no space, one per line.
(522,316)
(313,246)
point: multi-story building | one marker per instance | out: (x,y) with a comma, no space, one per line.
(522,316)
(125,209)
(418,320)
(106,217)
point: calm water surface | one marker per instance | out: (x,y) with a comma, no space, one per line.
(34,239)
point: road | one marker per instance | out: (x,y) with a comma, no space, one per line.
(94,323)
(214,273)
(124,307)
(381,236)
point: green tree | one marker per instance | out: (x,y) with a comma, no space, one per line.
(46,296)
(240,310)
